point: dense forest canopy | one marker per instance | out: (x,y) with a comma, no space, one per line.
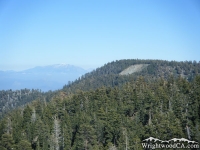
(104,110)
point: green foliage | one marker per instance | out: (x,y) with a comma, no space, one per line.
(108,75)
(109,111)
(24,145)
(7,141)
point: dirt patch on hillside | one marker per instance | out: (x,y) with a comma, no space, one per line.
(133,68)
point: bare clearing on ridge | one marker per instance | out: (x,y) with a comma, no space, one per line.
(133,68)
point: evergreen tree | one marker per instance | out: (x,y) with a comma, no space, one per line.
(24,145)
(7,141)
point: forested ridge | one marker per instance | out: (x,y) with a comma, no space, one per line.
(11,99)
(109,74)
(110,114)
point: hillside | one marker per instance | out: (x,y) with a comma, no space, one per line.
(110,75)
(105,110)
(107,118)
(11,99)
(114,74)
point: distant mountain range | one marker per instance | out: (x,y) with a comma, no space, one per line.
(46,78)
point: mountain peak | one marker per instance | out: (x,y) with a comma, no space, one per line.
(60,65)
(51,77)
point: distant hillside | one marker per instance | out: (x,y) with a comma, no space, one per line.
(46,78)
(11,99)
(113,74)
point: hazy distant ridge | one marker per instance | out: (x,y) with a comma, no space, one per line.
(46,78)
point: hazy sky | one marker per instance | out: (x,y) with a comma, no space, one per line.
(91,33)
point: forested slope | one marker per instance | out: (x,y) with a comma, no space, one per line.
(108,118)
(109,74)
(11,99)
(105,110)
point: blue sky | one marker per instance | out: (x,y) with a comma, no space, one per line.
(91,33)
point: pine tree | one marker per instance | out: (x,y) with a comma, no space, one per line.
(56,133)
(24,145)
(33,116)
(7,141)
